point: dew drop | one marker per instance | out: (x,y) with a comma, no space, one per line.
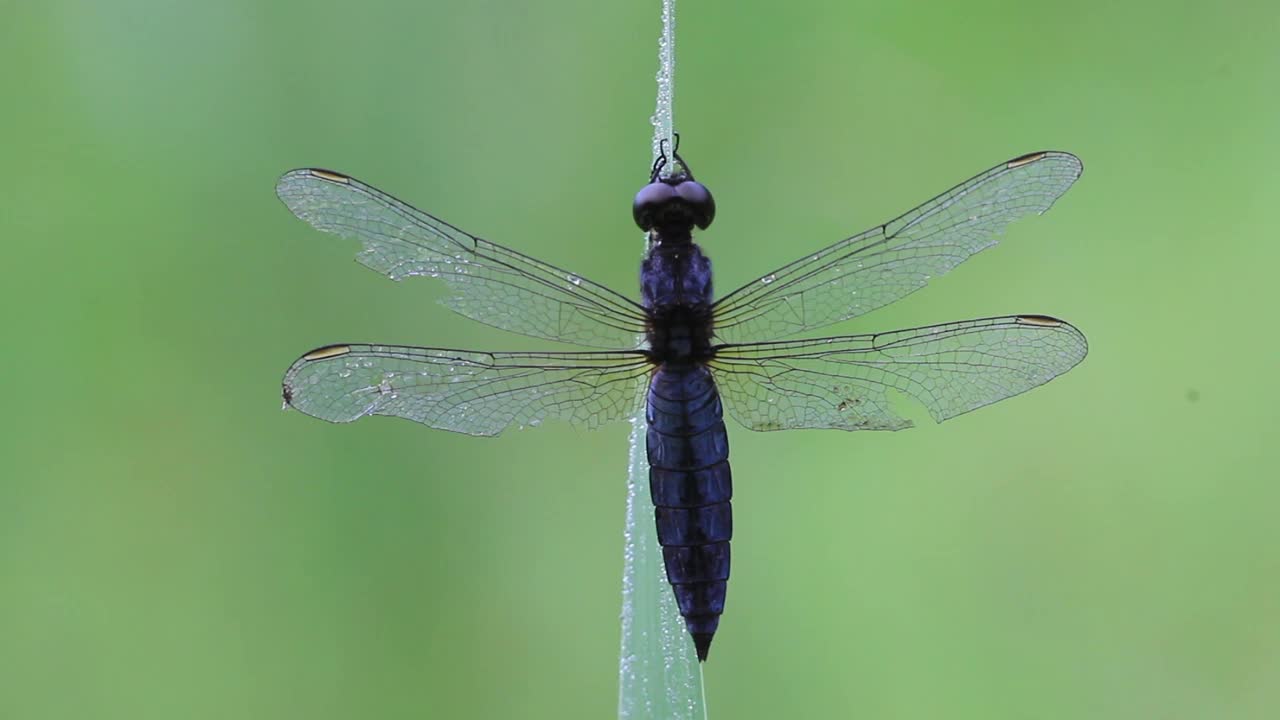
(575,279)
(768,278)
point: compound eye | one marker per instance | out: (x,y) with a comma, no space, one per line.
(649,201)
(698,198)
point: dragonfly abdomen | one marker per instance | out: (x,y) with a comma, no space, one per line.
(689,480)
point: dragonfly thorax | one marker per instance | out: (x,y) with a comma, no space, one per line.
(681,334)
(675,284)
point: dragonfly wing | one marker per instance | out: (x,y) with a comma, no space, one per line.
(885,263)
(474,393)
(491,283)
(843,382)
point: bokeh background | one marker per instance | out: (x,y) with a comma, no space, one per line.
(174,546)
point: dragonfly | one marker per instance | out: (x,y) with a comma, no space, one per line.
(680,353)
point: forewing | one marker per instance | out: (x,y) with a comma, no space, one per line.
(468,392)
(885,263)
(490,283)
(843,382)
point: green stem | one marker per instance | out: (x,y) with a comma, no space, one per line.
(659,674)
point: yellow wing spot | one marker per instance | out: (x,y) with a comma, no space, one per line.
(325,353)
(1025,160)
(1041,320)
(330,176)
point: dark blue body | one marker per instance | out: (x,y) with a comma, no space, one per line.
(688,447)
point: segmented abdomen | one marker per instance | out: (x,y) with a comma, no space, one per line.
(689,480)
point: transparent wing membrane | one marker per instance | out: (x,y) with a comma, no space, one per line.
(838,382)
(843,382)
(491,283)
(885,263)
(468,392)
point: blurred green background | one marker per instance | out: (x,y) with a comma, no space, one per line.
(174,546)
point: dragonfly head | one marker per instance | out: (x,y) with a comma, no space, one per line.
(676,201)
(673,203)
